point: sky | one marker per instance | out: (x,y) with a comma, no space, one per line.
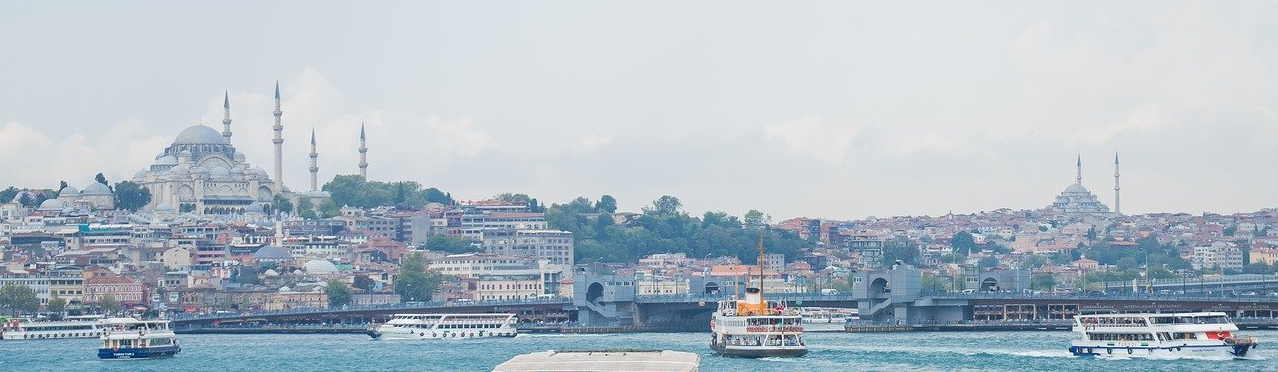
(836,109)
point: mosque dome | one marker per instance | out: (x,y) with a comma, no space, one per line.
(237,170)
(67,192)
(199,134)
(320,267)
(219,171)
(165,207)
(255,207)
(166,160)
(180,171)
(1076,188)
(140,174)
(51,205)
(97,188)
(238,157)
(272,253)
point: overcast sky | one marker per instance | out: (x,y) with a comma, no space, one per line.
(839,110)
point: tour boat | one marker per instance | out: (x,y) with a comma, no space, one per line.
(1160,335)
(81,326)
(129,338)
(827,319)
(755,327)
(603,361)
(445,326)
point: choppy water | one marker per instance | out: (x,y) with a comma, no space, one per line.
(942,351)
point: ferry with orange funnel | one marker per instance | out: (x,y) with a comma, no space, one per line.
(755,327)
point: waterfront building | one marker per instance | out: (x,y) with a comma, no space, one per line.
(1267,256)
(554,246)
(126,290)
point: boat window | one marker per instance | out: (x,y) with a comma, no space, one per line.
(1184,336)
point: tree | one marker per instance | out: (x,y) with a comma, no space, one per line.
(963,241)
(8,194)
(101,179)
(282,204)
(451,244)
(131,196)
(329,209)
(339,294)
(61,185)
(932,282)
(18,298)
(364,283)
(1043,282)
(305,209)
(988,262)
(666,205)
(57,306)
(754,218)
(109,303)
(26,200)
(1032,261)
(607,204)
(414,282)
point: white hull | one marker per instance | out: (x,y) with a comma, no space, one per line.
(833,325)
(47,335)
(391,333)
(1155,350)
(445,327)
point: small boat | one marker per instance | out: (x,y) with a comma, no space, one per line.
(79,326)
(444,326)
(1159,335)
(603,361)
(129,338)
(755,327)
(827,319)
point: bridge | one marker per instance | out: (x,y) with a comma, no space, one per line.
(890,296)
(1242,283)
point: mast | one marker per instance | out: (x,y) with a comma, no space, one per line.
(761,267)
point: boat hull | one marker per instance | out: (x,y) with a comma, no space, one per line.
(759,352)
(139,353)
(390,335)
(1235,350)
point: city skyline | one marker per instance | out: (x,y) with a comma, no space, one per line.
(813,117)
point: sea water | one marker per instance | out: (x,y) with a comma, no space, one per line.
(913,351)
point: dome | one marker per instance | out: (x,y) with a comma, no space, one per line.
(165,207)
(219,171)
(255,207)
(166,160)
(272,253)
(200,134)
(69,191)
(52,205)
(1076,188)
(97,188)
(140,174)
(238,157)
(237,170)
(180,170)
(320,267)
(271,272)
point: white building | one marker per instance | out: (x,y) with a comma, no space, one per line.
(202,172)
(554,246)
(1218,255)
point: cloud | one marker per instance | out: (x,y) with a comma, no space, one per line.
(35,160)
(812,136)
(593,140)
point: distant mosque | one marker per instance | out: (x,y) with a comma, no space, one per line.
(1076,199)
(202,173)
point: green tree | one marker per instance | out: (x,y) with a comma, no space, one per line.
(109,304)
(932,282)
(18,298)
(988,262)
(963,241)
(57,307)
(26,201)
(667,205)
(451,244)
(282,204)
(1043,282)
(339,294)
(754,218)
(8,194)
(131,196)
(305,209)
(1032,261)
(607,204)
(329,208)
(414,282)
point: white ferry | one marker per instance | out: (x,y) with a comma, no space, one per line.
(827,319)
(755,328)
(81,326)
(445,326)
(1162,335)
(128,338)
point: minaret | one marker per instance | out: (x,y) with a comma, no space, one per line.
(226,116)
(363,154)
(314,167)
(279,143)
(1079,179)
(1117,210)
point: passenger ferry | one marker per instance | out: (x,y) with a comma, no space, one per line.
(80,326)
(129,338)
(754,327)
(827,319)
(445,326)
(1162,335)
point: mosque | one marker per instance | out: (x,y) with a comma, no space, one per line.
(201,172)
(1076,199)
